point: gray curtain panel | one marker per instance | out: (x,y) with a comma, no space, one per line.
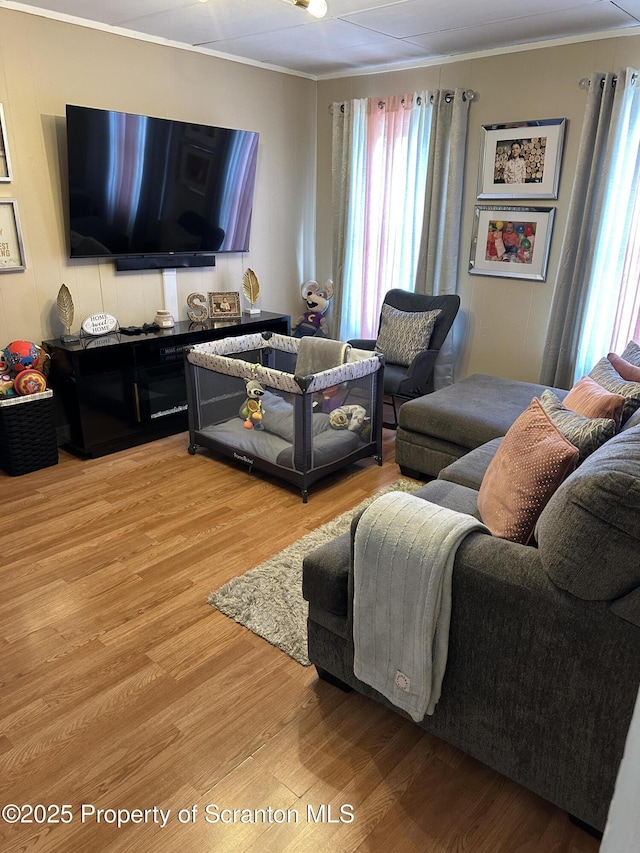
(573,281)
(346,146)
(438,263)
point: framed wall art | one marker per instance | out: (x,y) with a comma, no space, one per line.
(512,242)
(11,249)
(521,160)
(225,306)
(5,160)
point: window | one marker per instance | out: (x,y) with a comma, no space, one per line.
(385,208)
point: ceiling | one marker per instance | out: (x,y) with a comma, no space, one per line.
(355,35)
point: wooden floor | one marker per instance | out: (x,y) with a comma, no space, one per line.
(121,689)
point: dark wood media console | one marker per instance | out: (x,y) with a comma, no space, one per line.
(117,391)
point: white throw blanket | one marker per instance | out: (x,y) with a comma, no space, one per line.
(404,551)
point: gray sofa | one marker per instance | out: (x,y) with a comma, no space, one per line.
(544,647)
(436,429)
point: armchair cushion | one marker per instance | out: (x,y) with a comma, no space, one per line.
(404,334)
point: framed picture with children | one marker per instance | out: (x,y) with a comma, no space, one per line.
(521,159)
(511,242)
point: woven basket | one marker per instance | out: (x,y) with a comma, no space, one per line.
(28,439)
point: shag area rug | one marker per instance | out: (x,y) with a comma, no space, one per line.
(268,599)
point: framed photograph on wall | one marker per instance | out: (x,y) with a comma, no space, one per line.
(521,160)
(11,249)
(511,242)
(5,160)
(225,306)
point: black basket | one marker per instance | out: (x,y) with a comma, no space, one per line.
(28,438)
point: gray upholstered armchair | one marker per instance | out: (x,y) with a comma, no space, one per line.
(416,377)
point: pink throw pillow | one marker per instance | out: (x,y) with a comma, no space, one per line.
(628,371)
(529,465)
(591,400)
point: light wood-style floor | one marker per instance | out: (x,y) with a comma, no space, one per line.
(121,689)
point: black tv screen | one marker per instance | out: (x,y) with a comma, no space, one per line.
(143,186)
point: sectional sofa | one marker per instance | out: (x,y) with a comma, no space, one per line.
(544,645)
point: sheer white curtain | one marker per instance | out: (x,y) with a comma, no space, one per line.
(627,320)
(614,225)
(591,271)
(380,161)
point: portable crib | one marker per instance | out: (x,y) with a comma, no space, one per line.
(311,424)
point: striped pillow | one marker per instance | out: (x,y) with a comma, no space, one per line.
(632,353)
(587,434)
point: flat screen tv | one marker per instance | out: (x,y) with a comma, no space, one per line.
(143,187)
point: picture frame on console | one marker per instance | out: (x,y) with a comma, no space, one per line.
(511,241)
(11,248)
(521,160)
(5,160)
(225,305)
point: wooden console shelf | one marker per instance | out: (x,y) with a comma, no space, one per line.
(117,391)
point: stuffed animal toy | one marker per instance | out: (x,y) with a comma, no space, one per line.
(351,417)
(332,398)
(7,388)
(316,299)
(251,411)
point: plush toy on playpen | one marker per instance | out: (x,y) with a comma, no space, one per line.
(251,411)
(352,417)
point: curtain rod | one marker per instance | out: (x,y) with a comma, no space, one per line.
(467,95)
(586,82)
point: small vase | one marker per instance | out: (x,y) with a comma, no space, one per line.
(164,319)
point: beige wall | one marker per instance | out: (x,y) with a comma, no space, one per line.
(45,64)
(503,324)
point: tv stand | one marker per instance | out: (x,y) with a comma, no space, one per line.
(117,391)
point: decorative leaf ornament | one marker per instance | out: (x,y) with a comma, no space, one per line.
(65,307)
(251,286)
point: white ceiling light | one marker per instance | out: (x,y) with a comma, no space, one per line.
(317,8)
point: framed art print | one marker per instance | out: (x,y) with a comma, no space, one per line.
(521,160)
(11,249)
(5,160)
(511,242)
(225,305)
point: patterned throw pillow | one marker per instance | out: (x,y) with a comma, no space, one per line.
(531,462)
(404,334)
(632,353)
(606,375)
(587,434)
(590,399)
